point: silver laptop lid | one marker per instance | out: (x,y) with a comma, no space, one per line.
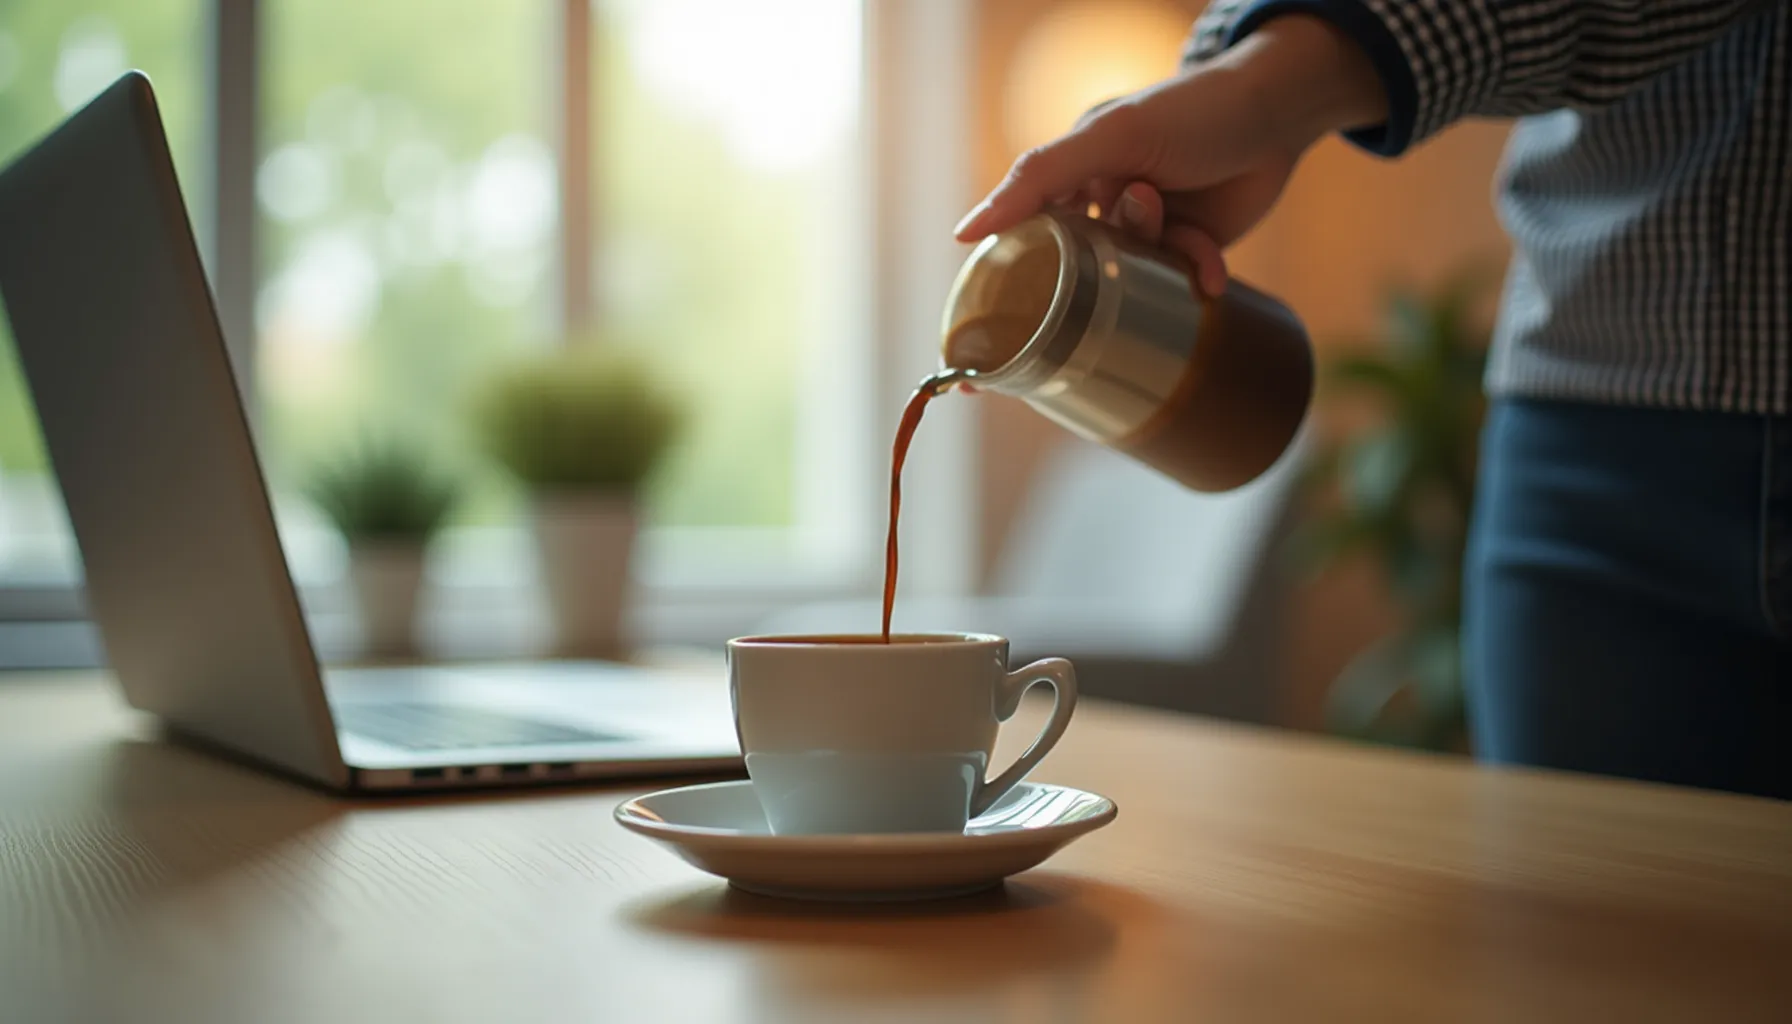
(121,347)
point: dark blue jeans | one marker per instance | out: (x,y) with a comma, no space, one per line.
(1629,594)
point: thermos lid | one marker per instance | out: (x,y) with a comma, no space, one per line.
(1020,303)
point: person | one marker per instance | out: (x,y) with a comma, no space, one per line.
(1628,587)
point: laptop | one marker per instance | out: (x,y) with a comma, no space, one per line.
(186,580)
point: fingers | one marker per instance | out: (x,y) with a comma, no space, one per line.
(1096,111)
(1105,194)
(1228,209)
(1102,149)
(1203,254)
(1140,210)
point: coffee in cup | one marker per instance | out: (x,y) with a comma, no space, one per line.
(852,734)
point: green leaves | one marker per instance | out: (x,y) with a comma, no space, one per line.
(1399,491)
(1370,373)
(1379,472)
(587,418)
(384,487)
(1404,691)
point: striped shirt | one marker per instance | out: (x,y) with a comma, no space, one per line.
(1647,186)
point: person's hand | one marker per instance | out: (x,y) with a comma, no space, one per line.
(1196,161)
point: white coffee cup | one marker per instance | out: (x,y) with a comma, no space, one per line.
(847,734)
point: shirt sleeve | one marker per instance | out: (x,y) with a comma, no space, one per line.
(1443,60)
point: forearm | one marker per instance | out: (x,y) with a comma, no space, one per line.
(1310,77)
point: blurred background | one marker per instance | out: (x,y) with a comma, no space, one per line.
(395,199)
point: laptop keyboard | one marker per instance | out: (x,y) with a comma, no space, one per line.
(424,727)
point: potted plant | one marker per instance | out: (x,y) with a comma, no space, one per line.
(1399,490)
(582,429)
(388,499)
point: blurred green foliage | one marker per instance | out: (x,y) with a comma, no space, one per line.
(590,417)
(383,487)
(1399,491)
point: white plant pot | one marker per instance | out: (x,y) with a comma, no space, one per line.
(387,577)
(584,545)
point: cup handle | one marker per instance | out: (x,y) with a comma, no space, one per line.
(1062,677)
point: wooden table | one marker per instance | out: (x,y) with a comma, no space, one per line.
(1250,877)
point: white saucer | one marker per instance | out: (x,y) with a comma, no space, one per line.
(720,828)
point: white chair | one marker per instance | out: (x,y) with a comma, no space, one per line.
(1162,596)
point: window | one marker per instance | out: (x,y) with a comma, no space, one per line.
(408,183)
(405,197)
(406,193)
(726,137)
(410,220)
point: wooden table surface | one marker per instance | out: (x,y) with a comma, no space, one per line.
(1251,876)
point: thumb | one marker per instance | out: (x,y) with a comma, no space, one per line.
(1105,147)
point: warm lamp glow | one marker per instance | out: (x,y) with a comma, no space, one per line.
(1082,52)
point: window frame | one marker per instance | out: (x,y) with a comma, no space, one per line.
(914,178)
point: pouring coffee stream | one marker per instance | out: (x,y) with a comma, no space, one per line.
(1107,336)
(932,387)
